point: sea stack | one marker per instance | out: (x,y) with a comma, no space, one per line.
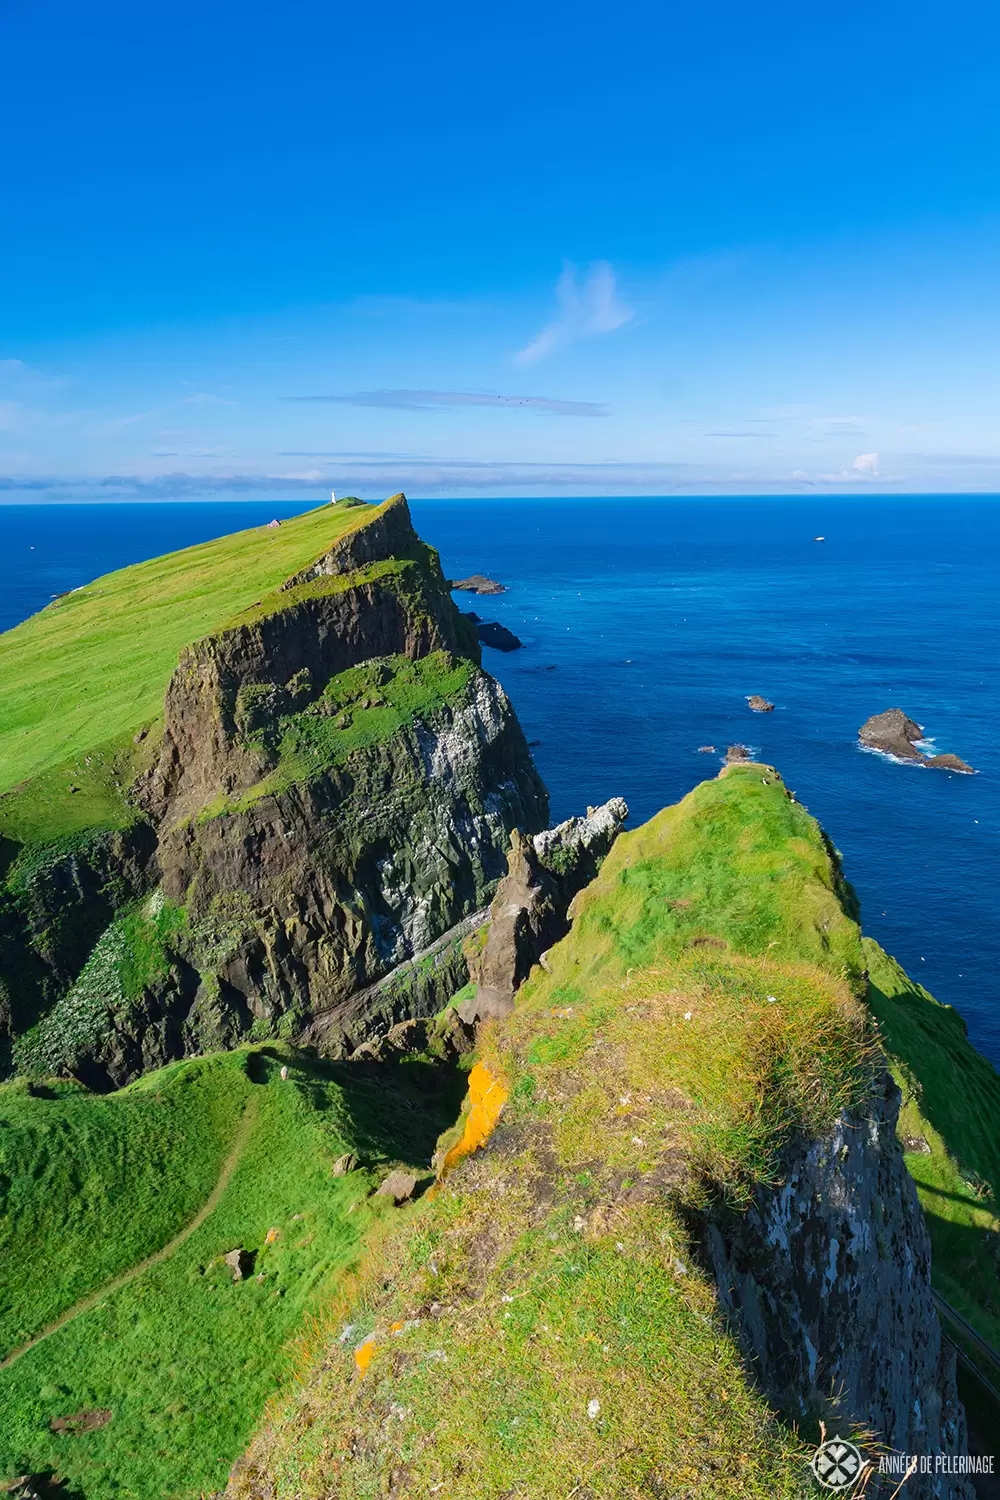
(895,734)
(760,705)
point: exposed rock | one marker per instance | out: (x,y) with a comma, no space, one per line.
(738,753)
(82,1421)
(896,735)
(916,1145)
(345,1164)
(706,749)
(240,1262)
(949,762)
(399,1186)
(476,583)
(498,636)
(893,733)
(419,987)
(759,705)
(530,909)
(826,1281)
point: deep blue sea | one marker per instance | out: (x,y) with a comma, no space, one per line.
(646,622)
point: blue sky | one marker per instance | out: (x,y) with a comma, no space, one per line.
(526,249)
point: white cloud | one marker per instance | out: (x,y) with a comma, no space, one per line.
(586,309)
(860,469)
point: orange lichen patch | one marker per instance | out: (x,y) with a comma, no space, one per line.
(364,1354)
(487,1097)
(395,1327)
(271,1236)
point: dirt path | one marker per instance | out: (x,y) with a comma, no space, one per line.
(229,1166)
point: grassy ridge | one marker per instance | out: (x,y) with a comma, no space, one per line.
(541,1320)
(183,1357)
(95,664)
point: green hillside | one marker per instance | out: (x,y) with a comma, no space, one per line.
(114,1213)
(541,1319)
(93,666)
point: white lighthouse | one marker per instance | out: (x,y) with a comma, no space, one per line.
(333,497)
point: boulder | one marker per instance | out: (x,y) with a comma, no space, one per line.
(477,583)
(760,705)
(240,1262)
(344,1164)
(399,1186)
(736,753)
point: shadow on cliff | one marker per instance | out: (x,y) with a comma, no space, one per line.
(393,1110)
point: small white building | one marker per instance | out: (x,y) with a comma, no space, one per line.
(333,497)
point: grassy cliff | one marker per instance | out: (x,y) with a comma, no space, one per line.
(541,1323)
(92,667)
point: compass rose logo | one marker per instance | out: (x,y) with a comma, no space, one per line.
(836,1463)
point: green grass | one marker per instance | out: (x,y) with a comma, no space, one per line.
(94,665)
(183,1357)
(736,860)
(951,1098)
(396,691)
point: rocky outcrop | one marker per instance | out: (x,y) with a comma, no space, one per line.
(530,910)
(894,734)
(759,705)
(476,583)
(497,636)
(826,1282)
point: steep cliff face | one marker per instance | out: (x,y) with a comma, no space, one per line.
(333,787)
(827,1281)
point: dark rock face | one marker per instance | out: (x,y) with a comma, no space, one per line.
(530,910)
(476,583)
(826,1281)
(737,753)
(49,921)
(896,735)
(498,636)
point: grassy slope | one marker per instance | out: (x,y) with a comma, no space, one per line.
(91,668)
(183,1357)
(553,1272)
(951,1097)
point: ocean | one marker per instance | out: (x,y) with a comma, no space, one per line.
(647,622)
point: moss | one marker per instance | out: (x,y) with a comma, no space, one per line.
(360,707)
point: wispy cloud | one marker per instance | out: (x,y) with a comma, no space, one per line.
(445,400)
(587,307)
